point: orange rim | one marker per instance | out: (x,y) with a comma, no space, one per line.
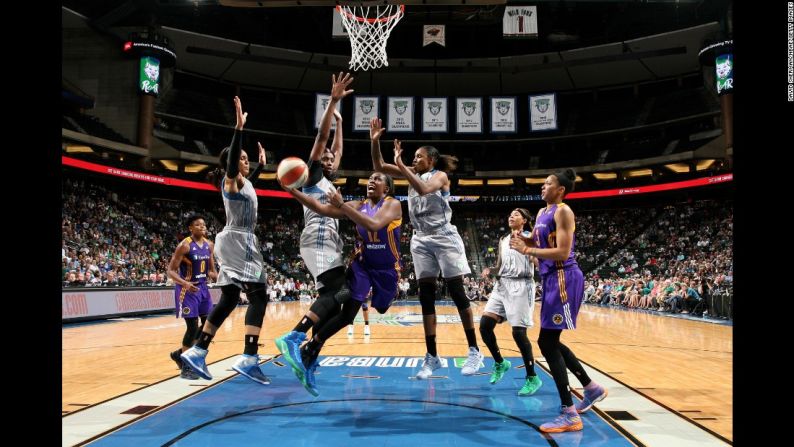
(373,20)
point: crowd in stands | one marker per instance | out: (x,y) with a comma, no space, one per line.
(667,258)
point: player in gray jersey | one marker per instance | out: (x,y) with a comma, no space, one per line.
(320,243)
(241,263)
(436,245)
(512,299)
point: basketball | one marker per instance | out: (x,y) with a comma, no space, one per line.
(292,172)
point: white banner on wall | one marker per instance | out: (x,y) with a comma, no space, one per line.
(469,115)
(435,115)
(543,112)
(401,114)
(503,114)
(86,303)
(367,107)
(520,21)
(319,107)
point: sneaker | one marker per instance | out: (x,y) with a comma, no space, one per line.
(349,329)
(366,329)
(590,398)
(188,374)
(531,385)
(175,357)
(310,383)
(430,364)
(289,345)
(499,370)
(248,365)
(473,362)
(196,359)
(568,420)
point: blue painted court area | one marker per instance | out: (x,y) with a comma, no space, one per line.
(367,401)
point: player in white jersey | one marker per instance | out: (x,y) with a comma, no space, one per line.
(436,245)
(512,299)
(241,263)
(320,243)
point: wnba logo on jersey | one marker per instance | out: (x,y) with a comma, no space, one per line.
(520,21)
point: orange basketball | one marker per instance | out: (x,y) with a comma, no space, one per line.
(292,172)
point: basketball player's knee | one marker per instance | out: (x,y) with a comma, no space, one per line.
(257,305)
(487,325)
(547,345)
(520,334)
(458,293)
(324,305)
(230,296)
(333,279)
(190,331)
(427,297)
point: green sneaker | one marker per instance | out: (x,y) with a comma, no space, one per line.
(499,370)
(531,385)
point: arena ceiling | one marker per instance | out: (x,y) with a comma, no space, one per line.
(583,44)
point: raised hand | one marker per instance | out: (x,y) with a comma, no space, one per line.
(398,150)
(339,84)
(262,155)
(241,117)
(375,129)
(337,115)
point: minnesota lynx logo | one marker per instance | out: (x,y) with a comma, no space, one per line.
(150,75)
(434,107)
(724,73)
(503,107)
(400,106)
(366,105)
(469,107)
(542,105)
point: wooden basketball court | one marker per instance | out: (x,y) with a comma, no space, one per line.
(683,365)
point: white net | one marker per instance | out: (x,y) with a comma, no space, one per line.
(368,28)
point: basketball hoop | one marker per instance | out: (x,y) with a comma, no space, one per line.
(368,28)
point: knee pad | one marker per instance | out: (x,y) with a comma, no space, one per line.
(487,325)
(257,305)
(455,286)
(427,297)
(190,332)
(230,296)
(332,280)
(325,305)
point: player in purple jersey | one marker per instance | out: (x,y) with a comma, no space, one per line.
(552,242)
(191,264)
(375,262)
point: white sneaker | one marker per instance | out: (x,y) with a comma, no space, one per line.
(366,329)
(429,365)
(349,329)
(473,362)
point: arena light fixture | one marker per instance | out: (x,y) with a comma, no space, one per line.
(469,182)
(500,182)
(678,168)
(170,165)
(195,167)
(267,176)
(76,149)
(605,175)
(704,164)
(340,181)
(640,173)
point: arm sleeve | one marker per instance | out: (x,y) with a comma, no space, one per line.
(315,172)
(233,161)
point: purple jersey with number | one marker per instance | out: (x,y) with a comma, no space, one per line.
(563,282)
(376,260)
(193,268)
